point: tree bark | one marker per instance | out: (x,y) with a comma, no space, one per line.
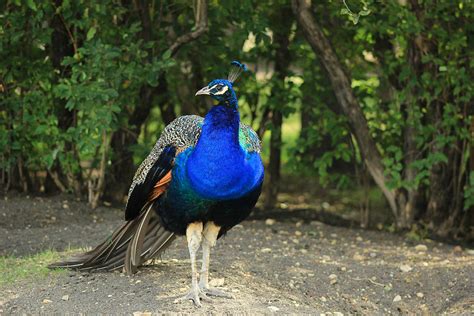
(63,44)
(342,88)
(282,61)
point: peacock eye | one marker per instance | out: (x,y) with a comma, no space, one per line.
(219,87)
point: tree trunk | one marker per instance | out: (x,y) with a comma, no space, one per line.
(341,84)
(282,61)
(62,45)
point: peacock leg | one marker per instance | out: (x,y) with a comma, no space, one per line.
(209,234)
(194,237)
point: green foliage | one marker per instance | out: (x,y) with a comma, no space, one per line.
(469,192)
(97,85)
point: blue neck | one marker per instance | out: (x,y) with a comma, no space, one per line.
(220,133)
(217,168)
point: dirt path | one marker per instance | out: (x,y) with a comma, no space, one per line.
(286,267)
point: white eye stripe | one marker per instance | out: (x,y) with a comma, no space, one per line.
(224,90)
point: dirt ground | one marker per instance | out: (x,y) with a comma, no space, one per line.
(279,262)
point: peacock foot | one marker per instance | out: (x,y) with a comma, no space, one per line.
(210,291)
(195,295)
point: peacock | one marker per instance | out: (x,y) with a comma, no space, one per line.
(202,177)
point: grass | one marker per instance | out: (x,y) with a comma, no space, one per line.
(14,269)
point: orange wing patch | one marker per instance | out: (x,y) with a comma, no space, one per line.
(160,187)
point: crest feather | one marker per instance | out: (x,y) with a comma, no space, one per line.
(236,70)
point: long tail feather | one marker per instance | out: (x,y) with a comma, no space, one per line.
(129,246)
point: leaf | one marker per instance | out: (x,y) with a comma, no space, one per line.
(32,5)
(344,11)
(167,55)
(91,33)
(355,19)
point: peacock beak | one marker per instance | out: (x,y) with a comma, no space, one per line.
(204,91)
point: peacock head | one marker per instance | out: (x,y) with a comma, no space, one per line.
(222,89)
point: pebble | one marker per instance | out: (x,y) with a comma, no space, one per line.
(420,295)
(323,299)
(332,279)
(405,268)
(470,252)
(138,313)
(397,298)
(47,301)
(358,257)
(217,282)
(266,250)
(273,308)
(65,298)
(421,247)
(270,221)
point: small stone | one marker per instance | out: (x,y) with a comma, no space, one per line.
(217,282)
(359,238)
(270,221)
(343,269)
(470,252)
(65,297)
(358,257)
(138,313)
(298,233)
(265,250)
(65,206)
(107,203)
(333,279)
(337,314)
(273,308)
(421,247)
(420,295)
(397,298)
(405,268)
(47,301)
(323,299)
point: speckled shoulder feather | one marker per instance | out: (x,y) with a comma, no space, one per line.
(182,133)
